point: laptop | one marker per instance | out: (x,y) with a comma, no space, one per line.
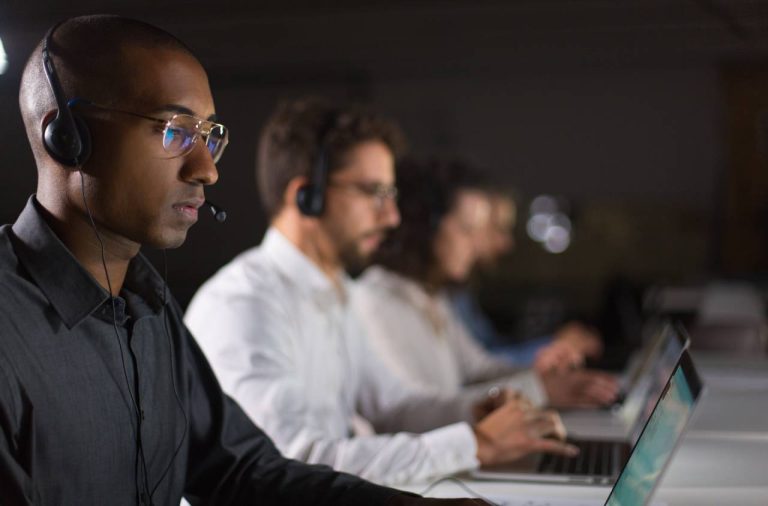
(652,453)
(643,381)
(664,334)
(600,460)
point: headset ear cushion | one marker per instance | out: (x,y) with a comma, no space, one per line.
(307,200)
(302,198)
(62,144)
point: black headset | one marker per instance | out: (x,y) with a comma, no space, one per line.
(66,137)
(310,197)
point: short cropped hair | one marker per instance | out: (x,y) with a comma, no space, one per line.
(87,52)
(292,137)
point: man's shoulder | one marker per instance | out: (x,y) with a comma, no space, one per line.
(20,298)
(10,276)
(250,275)
(7,255)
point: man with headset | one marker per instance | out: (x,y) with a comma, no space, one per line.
(278,329)
(104,396)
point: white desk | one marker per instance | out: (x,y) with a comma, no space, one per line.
(704,463)
(721,413)
(731,414)
(720,361)
(703,472)
(745,496)
(724,372)
(723,459)
(735,403)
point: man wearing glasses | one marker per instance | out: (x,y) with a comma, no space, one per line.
(104,396)
(277,326)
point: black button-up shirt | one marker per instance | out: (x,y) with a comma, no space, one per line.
(78,379)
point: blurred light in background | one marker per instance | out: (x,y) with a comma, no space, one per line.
(548,224)
(3,58)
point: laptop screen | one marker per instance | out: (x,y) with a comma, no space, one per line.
(640,403)
(659,438)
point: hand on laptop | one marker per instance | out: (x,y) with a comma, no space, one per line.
(558,357)
(573,344)
(580,388)
(515,430)
(497,397)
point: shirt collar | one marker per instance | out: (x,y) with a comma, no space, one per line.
(300,270)
(71,289)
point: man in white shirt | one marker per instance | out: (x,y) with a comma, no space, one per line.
(276,325)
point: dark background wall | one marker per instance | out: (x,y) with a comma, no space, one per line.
(620,106)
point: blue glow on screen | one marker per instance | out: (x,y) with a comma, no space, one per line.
(654,448)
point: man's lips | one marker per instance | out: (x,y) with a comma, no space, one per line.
(374,238)
(189,207)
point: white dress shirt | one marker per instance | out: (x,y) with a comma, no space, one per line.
(285,344)
(417,335)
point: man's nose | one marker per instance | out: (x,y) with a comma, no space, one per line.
(199,167)
(389,214)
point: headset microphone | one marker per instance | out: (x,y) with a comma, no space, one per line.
(218,213)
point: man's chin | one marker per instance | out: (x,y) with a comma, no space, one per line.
(359,255)
(168,240)
(370,244)
(366,251)
(356,262)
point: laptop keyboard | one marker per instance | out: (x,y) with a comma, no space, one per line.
(596,458)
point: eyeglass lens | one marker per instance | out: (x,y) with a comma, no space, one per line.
(181,134)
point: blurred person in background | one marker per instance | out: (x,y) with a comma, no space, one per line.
(404,306)
(568,347)
(277,326)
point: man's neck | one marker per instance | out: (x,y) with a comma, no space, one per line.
(308,241)
(104,255)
